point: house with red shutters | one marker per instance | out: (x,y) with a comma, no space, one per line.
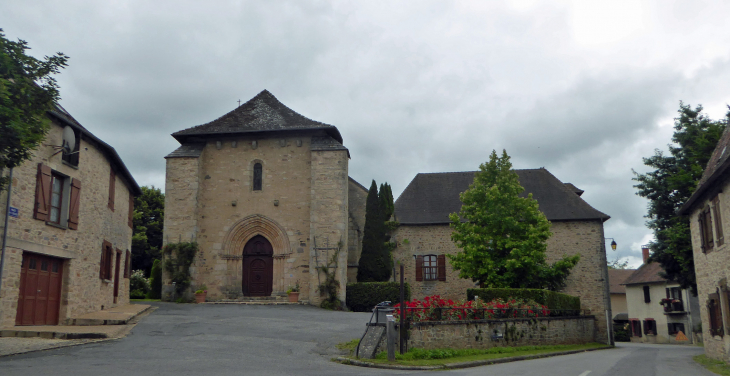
(69,233)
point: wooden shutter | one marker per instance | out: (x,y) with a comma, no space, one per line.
(441,263)
(715,313)
(701,224)
(419,268)
(708,230)
(718,220)
(102,263)
(130,215)
(127,266)
(668,296)
(73,209)
(647,294)
(42,193)
(112,181)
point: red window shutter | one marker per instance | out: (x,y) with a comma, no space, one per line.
(419,268)
(73,214)
(441,263)
(112,181)
(130,215)
(42,193)
(127,266)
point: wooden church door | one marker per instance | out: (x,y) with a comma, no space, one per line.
(258,267)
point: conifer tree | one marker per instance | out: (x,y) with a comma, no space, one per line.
(503,237)
(375,263)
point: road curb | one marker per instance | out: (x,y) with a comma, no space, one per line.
(476,363)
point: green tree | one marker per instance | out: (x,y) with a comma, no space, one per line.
(27,91)
(502,235)
(670,185)
(375,262)
(149,216)
(617,264)
(386,200)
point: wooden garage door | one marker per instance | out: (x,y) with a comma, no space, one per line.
(40,290)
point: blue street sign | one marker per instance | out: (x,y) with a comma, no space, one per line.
(14,212)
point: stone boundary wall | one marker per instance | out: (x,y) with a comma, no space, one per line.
(478,334)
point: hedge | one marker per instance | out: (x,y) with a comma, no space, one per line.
(552,299)
(363,296)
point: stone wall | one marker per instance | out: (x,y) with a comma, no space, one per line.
(357,196)
(712,273)
(588,279)
(484,334)
(81,291)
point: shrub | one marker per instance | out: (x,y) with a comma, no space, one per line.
(553,300)
(155,281)
(434,308)
(139,286)
(363,296)
(621,333)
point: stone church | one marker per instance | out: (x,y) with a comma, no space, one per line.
(265,193)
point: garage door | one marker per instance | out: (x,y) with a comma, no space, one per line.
(40,290)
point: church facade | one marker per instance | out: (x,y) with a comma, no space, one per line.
(264,191)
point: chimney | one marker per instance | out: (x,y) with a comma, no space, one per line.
(645,253)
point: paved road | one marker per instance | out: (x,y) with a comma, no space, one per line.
(295,340)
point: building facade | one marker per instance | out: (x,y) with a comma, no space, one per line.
(424,237)
(265,193)
(70,229)
(708,209)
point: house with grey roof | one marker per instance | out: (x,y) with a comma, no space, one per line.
(265,193)
(424,237)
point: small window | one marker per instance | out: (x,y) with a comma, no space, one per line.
(715,313)
(675,327)
(649,326)
(429,267)
(257,176)
(647,295)
(718,220)
(635,327)
(32,264)
(705,224)
(57,198)
(105,266)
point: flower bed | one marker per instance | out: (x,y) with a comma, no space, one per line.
(434,308)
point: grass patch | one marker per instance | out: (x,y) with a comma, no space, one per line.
(349,345)
(143,300)
(717,366)
(421,357)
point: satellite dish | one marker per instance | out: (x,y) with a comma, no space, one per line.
(69,139)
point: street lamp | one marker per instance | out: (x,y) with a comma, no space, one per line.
(613,243)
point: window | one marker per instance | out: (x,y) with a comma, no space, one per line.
(675,327)
(105,266)
(718,220)
(635,327)
(705,222)
(715,313)
(112,188)
(647,295)
(431,268)
(649,326)
(57,198)
(675,304)
(257,176)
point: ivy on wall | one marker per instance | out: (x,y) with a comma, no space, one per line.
(178,258)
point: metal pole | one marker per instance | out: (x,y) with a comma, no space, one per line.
(5,228)
(402,338)
(390,334)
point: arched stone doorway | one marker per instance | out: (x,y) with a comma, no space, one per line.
(258,267)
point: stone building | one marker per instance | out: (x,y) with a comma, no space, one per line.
(659,309)
(70,229)
(424,237)
(706,208)
(265,193)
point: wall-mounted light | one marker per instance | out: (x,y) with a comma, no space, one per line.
(613,243)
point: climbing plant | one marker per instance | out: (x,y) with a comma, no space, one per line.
(330,286)
(178,258)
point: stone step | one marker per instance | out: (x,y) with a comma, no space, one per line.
(369,344)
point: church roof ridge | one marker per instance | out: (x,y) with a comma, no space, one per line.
(262,113)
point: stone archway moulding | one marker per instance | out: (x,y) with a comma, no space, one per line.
(246,228)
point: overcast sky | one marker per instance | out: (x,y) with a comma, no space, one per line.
(582,88)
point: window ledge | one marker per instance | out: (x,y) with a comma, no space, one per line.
(62,227)
(106,280)
(70,165)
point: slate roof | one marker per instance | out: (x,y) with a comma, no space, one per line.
(615,279)
(59,113)
(717,167)
(575,189)
(431,197)
(187,150)
(263,113)
(647,273)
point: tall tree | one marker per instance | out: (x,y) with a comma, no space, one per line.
(386,200)
(375,262)
(670,185)
(27,91)
(503,236)
(149,216)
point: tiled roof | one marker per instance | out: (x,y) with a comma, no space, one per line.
(430,198)
(615,279)
(263,113)
(187,150)
(575,189)
(717,167)
(647,273)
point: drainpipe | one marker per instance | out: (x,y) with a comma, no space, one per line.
(688,309)
(5,228)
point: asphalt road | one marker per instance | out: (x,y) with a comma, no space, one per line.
(185,339)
